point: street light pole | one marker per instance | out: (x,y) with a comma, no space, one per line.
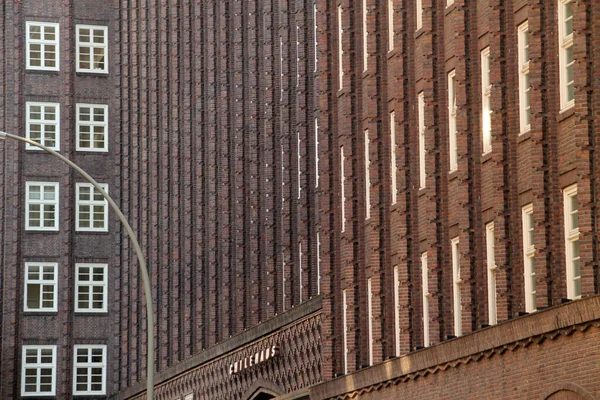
(136,245)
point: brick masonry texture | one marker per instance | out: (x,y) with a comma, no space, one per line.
(212,157)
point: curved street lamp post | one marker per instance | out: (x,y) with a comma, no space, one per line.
(136,245)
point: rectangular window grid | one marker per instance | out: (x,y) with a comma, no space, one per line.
(91,288)
(42,206)
(42,46)
(566,58)
(486,96)
(38,375)
(571,207)
(452,140)
(89,370)
(528,259)
(456,287)
(92,208)
(491,273)
(43,125)
(92,44)
(40,286)
(524,85)
(92,127)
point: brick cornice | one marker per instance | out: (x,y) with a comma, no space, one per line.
(510,335)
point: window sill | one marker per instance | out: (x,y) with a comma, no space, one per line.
(33,71)
(485,157)
(524,136)
(419,32)
(449,8)
(452,175)
(91,73)
(566,113)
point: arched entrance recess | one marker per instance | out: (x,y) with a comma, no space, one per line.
(262,389)
(262,395)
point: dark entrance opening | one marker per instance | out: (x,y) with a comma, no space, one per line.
(263,396)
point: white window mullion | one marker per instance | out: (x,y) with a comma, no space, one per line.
(397,308)
(89,367)
(419,12)
(528,259)
(92,127)
(452,139)
(425,298)
(42,206)
(40,290)
(345,328)
(370,318)
(491,273)
(91,288)
(91,208)
(566,53)
(38,373)
(43,46)
(393,166)
(486,94)
(43,125)
(390,12)
(422,150)
(92,49)
(571,222)
(524,85)
(342,188)
(456,287)
(367,176)
(340,48)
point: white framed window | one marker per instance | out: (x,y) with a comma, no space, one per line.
(345,327)
(393,166)
(566,58)
(43,124)
(491,273)
(91,288)
(42,206)
(92,49)
(92,127)
(342,187)
(571,212)
(456,285)
(367,176)
(340,48)
(365,36)
(425,298)
(452,139)
(316,152)
(419,12)
(370,318)
(38,373)
(390,12)
(397,308)
(524,85)
(422,150)
(486,105)
(528,259)
(40,287)
(43,48)
(89,369)
(91,209)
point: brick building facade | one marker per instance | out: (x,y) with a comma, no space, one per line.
(393,197)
